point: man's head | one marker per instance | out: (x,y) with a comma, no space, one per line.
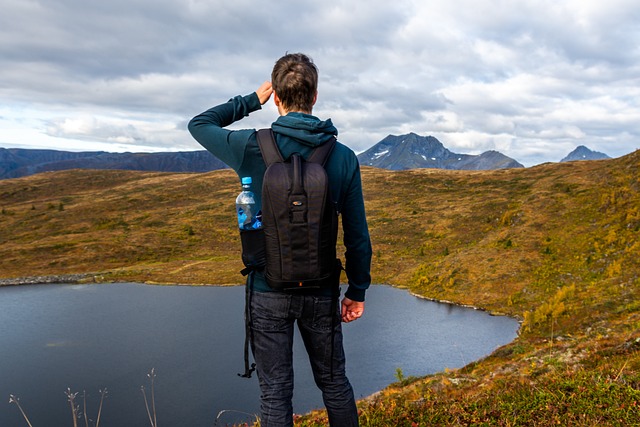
(295,82)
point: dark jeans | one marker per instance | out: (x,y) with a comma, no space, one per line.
(272,317)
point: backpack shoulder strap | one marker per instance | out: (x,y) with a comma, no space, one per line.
(271,153)
(268,147)
(321,153)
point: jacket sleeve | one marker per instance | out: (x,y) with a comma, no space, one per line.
(356,239)
(226,145)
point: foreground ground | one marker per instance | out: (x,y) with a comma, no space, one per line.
(555,246)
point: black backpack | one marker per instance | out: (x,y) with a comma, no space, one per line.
(296,246)
(299,219)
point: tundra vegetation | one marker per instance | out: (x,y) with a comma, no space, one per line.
(556,246)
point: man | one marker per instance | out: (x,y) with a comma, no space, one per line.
(293,86)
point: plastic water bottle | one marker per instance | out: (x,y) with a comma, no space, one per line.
(249,217)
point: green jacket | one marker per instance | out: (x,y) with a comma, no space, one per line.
(295,132)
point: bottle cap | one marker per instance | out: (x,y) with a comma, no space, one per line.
(246,180)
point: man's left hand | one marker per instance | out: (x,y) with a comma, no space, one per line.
(351,310)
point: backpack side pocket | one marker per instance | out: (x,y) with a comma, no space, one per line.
(253,249)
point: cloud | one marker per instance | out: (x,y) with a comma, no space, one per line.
(532,79)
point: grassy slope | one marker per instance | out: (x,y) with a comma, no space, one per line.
(555,245)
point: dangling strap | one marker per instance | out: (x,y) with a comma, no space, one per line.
(248,334)
(334,308)
(335,297)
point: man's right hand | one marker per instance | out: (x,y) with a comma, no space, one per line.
(264,92)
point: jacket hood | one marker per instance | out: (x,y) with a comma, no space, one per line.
(305,128)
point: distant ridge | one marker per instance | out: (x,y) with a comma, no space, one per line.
(17,162)
(413,151)
(584,153)
(410,151)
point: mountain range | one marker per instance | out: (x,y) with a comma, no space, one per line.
(16,162)
(410,151)
(415,152)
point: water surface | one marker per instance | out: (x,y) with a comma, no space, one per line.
(91,337)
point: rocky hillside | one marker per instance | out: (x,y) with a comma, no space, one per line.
(15,162)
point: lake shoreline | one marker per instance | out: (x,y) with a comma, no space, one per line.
(81,278)
(56,278)
(443,301)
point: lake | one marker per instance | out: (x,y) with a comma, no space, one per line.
(97,336)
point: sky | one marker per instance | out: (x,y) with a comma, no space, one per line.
(532,79)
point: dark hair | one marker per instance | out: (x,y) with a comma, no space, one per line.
(295,81)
